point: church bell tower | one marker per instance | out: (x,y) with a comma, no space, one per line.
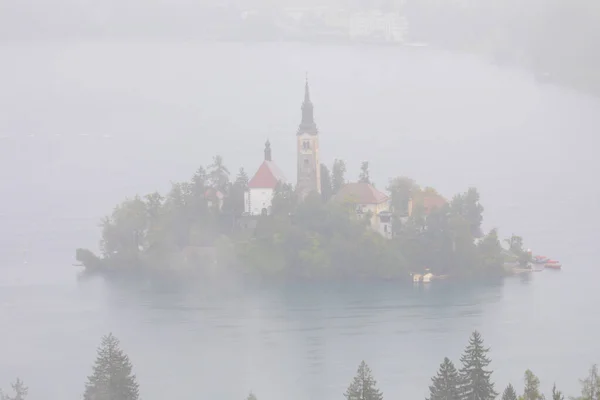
(309,168)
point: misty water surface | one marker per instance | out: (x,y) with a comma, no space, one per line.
(82,125)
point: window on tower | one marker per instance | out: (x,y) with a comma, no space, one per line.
(306,162)
(306,145)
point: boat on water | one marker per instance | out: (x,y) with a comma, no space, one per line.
(553,264)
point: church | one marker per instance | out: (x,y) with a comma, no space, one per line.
(258,197)
(367,200)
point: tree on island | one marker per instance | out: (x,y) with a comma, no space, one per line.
(532,387)
(19,389)
(235,202)
(446,384)
(364,173)
(338,175)
(326,183)
(509,393)
(218,174)
(475,378)
(401,189)
(112,377)
(491,254)
(364,386)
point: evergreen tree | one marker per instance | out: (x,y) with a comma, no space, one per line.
(219,174)
(364,386)
(446,384)
(509,393)
(557,394)
(338,175)
(401,190)
(532,387)
(20,391)
(475,378)
(112,377)
(326,187)
(364,173)
(251,396)
(590,386)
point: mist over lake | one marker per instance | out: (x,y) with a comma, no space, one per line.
(85,124)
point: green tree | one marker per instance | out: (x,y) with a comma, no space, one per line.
(476,383)
(112,377)
(326,184)
(446,384)
(235,202)
(532,387)
(284,199)
(19,389)
(124,232)
(338,175)
(515,247)
(218,174)
(509,393)
(491,254)
(590,386)
(364,173)
(473,211)
(557,394)
(363,386)
(401,189)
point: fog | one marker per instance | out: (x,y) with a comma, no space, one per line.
(103,100)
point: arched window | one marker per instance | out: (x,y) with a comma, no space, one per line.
(306,145)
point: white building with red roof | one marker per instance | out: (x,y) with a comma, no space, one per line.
(258,197)
(367,200)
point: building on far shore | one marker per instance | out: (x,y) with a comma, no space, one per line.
(368,201)
(258,197)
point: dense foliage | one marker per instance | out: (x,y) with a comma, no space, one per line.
(200,226)
(112,379)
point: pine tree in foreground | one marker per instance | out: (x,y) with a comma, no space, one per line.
(251,396)
(446,384)
(364,386)
(557,394)
(509,393)
(112,378)
(475,378)
(20,391)
(590,386)
(532,387)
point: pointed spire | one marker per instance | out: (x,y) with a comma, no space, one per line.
(268,150)
(306,90)
(308,122)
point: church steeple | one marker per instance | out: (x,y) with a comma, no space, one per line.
(268,151)
(308,121)
(309,168)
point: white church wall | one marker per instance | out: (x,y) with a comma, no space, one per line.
(258,199)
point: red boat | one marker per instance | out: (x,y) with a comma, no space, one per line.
(553,264)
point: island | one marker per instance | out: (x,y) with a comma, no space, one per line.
(323,228)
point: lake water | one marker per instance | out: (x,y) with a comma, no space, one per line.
(84,124)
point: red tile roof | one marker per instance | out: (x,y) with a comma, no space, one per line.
(360,193)
(266,177)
